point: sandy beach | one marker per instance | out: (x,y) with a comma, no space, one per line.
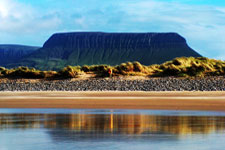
(212,101)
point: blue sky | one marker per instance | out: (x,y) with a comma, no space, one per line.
(32,22)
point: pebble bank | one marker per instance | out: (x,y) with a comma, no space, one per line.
(118,84)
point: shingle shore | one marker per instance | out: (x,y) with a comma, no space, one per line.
(119,84)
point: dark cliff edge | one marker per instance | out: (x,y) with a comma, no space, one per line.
(87,48)
(10,53)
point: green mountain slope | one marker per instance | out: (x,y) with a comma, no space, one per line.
(87,48)
(13,53)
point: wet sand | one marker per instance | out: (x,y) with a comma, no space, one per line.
(212,101)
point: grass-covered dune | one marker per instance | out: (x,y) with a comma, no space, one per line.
(178,67)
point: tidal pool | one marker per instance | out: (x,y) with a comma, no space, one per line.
(69,129)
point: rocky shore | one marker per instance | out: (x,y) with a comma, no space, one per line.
(117,84)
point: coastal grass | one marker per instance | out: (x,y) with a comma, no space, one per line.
(25,72)
(69,72)
(178,67)
(191,67)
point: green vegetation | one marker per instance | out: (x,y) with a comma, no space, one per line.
(12,53)
(88,48)
(25,72)
(69,72)
(98,70)
(186,67)
(178,67)
(132,69)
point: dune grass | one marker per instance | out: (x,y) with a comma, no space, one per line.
(25,72)
(69,72)
(191,67)
(178,67)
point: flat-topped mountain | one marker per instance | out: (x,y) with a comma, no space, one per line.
(87,48)
(10,53)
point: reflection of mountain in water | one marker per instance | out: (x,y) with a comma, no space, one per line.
(106,125)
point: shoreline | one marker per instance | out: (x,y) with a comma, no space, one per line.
(207,101)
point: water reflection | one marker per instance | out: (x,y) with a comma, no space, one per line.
(111,124)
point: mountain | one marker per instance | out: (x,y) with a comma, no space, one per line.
(12,53)
(87,48)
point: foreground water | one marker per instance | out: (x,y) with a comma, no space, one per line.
(69,129)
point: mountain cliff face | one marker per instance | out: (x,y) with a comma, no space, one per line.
(87,48)
(12,53)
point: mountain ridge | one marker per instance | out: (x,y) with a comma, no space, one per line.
(10,53)
(88,48)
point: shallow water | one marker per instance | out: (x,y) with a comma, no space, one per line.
(69,129)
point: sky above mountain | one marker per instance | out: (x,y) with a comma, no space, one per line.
(32,22)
